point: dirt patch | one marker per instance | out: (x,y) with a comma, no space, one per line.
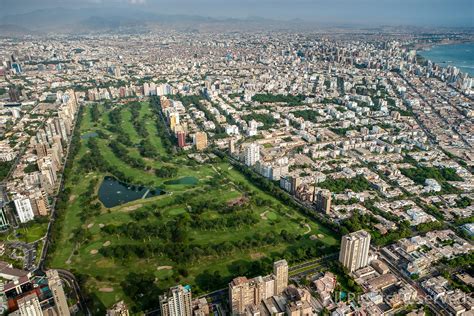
(313,237)
(72,198)
(320,236)
(106,244)
(164,268)
(90,225)
(101,225)
(106,289)
(264,215)
(256,255)
(132,208)
(94,251)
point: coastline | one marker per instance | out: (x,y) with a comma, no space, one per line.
(436,54)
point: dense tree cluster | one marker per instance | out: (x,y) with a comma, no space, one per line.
(167,139)
(166,172)
(267,119)
(115,117)
(138,124)
(356,184)
(177,249)
(94,161)
(5,167)
(95,112)
(233,220)
(291,100)
(307,115)
(441,175)
(121,152)
(142,289)
(463,202)
(147,149)
(32,167)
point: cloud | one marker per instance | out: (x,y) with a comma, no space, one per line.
(137,1)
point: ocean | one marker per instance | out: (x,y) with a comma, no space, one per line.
(458,55)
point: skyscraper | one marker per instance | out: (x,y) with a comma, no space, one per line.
(280,271)
(177,302)
(56,286)
(24,209)
(200,140)
(29,306)
(181,139)
(322,201)
(354,252)
(247,293)
(252,154)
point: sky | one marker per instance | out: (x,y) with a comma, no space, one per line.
(363,12)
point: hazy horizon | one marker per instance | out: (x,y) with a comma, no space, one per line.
(430,13)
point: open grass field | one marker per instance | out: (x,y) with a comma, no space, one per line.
(200,234)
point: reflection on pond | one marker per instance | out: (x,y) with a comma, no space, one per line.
(113,192)
(183,180)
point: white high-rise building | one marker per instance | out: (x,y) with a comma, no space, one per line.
(24,209)
(29,306)
(252,154)
(177,302)
(354,252)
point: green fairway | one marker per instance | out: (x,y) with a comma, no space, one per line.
(211,225)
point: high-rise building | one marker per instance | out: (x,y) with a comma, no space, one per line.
(24,209)
(200,140)
(322,201)
(39,201)
(181,139)
(354,252)
(280,271)
(56,286)
(173,119)
(246,293)
(232,146)
(41,149)
(29,306)
(177,302)
(3,218)
(252,154)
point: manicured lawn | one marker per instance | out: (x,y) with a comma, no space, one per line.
(218,183)
(30,233)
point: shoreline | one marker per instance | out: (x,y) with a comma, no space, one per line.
(430,46)
(448,61)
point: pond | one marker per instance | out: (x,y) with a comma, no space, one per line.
(183,180)
(113,192)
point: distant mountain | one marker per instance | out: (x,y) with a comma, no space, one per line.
(65,20)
